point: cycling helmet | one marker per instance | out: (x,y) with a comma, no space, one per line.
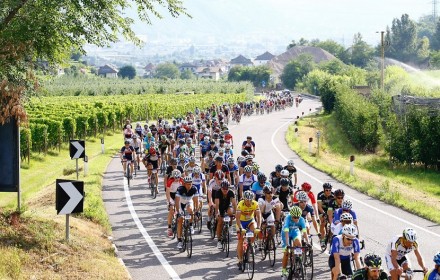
(134,136)
(129,126)
(149,134)
(192,159)
(188,140)
(350,231)
(227,147)
(347,205)
(176,173)
(284,172)
(290,162)
(346,217)
(181,156)
(295,211)
(173,161)
(302,196)
(261,177)
(197,170)
(255,166)
(306,187)
(206,138)
(188,179)
(278,168)
(163,137)
(182,130)
(248,195)
(339,192)
(240,159)
(267,189)
(152,151)
(221,150)
(372,260)
(284,182)
(219,175)
(327,186)
(410,234)
(437,258)
(127,142)
(219,158)
(212,153)
(248,168)
(225,184)
(181,142)
(244,153)
(231,160)
(212,142)
(248,157)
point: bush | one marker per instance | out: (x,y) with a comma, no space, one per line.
(25,143)
(39,137)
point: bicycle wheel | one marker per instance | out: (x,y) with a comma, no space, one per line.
(174,227)
(184,239)
(200,222)
(308,263)
(153,189)
(300,269)
(189,242)
(128,174)
(213,225)
(271,250)
(226,240)
(250,263)
(135,167)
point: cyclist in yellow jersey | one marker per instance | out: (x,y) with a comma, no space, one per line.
(434,274)
(247,211)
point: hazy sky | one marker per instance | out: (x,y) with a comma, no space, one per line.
(284,20)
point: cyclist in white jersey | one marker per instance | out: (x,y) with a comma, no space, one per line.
(173,183)
(246,180)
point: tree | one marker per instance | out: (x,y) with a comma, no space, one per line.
(187,75)
(435,42)
(361,52)
(296,69)
(423,49)
(404,38)
(167,71)
(127,71)
(49,29)
(257,75)
(334,48)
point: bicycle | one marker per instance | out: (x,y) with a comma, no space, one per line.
(353,263)
(268,242)
(408,274)
(152,182)
(248,255)
(174,224)
(187,237)
(226,237)
(308,257)
(164,164)
(213,222)
(198,221)
(295,264)
(328,235)
(127,171)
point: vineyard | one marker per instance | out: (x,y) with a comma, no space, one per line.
(54,120)
(93,86)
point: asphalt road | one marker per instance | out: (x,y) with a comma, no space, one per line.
(139,222)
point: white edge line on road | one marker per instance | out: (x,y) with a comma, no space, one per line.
(173,274)
(352,198)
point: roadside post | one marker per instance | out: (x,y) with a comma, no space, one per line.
(310,145)
(69,199)
(296,132)
(351,165)
(102,146)
(86,165)
(318,135)
(77,150)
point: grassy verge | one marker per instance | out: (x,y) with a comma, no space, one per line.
(32,244)
(411,188)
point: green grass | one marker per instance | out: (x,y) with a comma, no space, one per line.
(411,188)
(42,172)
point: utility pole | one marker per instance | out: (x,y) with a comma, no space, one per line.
(382,44)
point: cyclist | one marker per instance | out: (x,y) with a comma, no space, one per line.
(228,138)
(257,187)
(229,153)
(164,148)
(306,187)
(213,188)
(151,162)
(247,211)
(173,166)
(138,130)
(189,167)
(204,146)
(307,210)
(199,182)
(346,218)
(268,205)
(342,247)
(233,172)
(208,162)
(186,197)
(284,193)
(294,229)
(396,251)
(126,154)
(249,145)
(372,269)
(219,166)
(137,145)
(324,199)
(434,274)
(172,185)
(128,132)
(275,176)
(285,174)
(292,171)
(225,203)
(346,208)
(248,160)
(246,180)
(148,141)
(335,203)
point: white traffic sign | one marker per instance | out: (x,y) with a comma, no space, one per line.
(77,148)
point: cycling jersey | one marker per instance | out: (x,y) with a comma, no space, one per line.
(127,152)
(247,181)
(362,274)
(396,243)
(247,212)
(186,195)
(308,209)
(138,131)
(292,170)
(197,182)
(325,200)
(189,169)
(152,159)
(283,195)
(173,185)
(224,201)
(344,251)
(257,189)
(337,215)
(163,145)
(311,196)
(293,228)
(333,205)
(248,146)
(266,208)
(432,275)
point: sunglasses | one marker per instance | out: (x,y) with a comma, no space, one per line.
(340,197)
(327,190)
(349,239)
(295,218)
(375,269)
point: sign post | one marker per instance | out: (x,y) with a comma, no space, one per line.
(69,199)
(318,134)
(351,165)
(77,150)
(102,145)
(296,131)
(86,166)
(310,145)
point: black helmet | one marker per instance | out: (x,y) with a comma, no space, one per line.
(278,167)
(339,192)
(372,260)
(284,182)
(225,184)
(327,186)
(244,153)
(261,176)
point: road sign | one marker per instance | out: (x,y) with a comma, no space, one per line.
(77,149)
(69,196)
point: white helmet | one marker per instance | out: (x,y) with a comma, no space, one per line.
(197,170)
(410,234)
(302,196)
(240,159)
(248,168)
(346,217)
(248,195)
(284,172)
(176,173)
(290,162)
(347,205)
(231,160)
(350,231)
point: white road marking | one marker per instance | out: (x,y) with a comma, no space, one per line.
(352,198)
(173,274)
